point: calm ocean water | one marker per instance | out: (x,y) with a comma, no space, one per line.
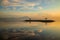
(50,31)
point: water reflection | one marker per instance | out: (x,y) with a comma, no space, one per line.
(29,31)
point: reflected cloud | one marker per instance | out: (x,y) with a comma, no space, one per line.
(24,34)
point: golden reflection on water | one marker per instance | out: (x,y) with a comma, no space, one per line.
(54,27)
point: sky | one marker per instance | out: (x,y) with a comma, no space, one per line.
(31,8)
(28,5)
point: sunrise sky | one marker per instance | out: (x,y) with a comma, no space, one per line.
(31,8)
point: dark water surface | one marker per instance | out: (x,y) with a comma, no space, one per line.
(29,31)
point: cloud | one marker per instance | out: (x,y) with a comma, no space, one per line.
(26,5)
(30,4)
(40,8)
(16,1)
(32,0)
